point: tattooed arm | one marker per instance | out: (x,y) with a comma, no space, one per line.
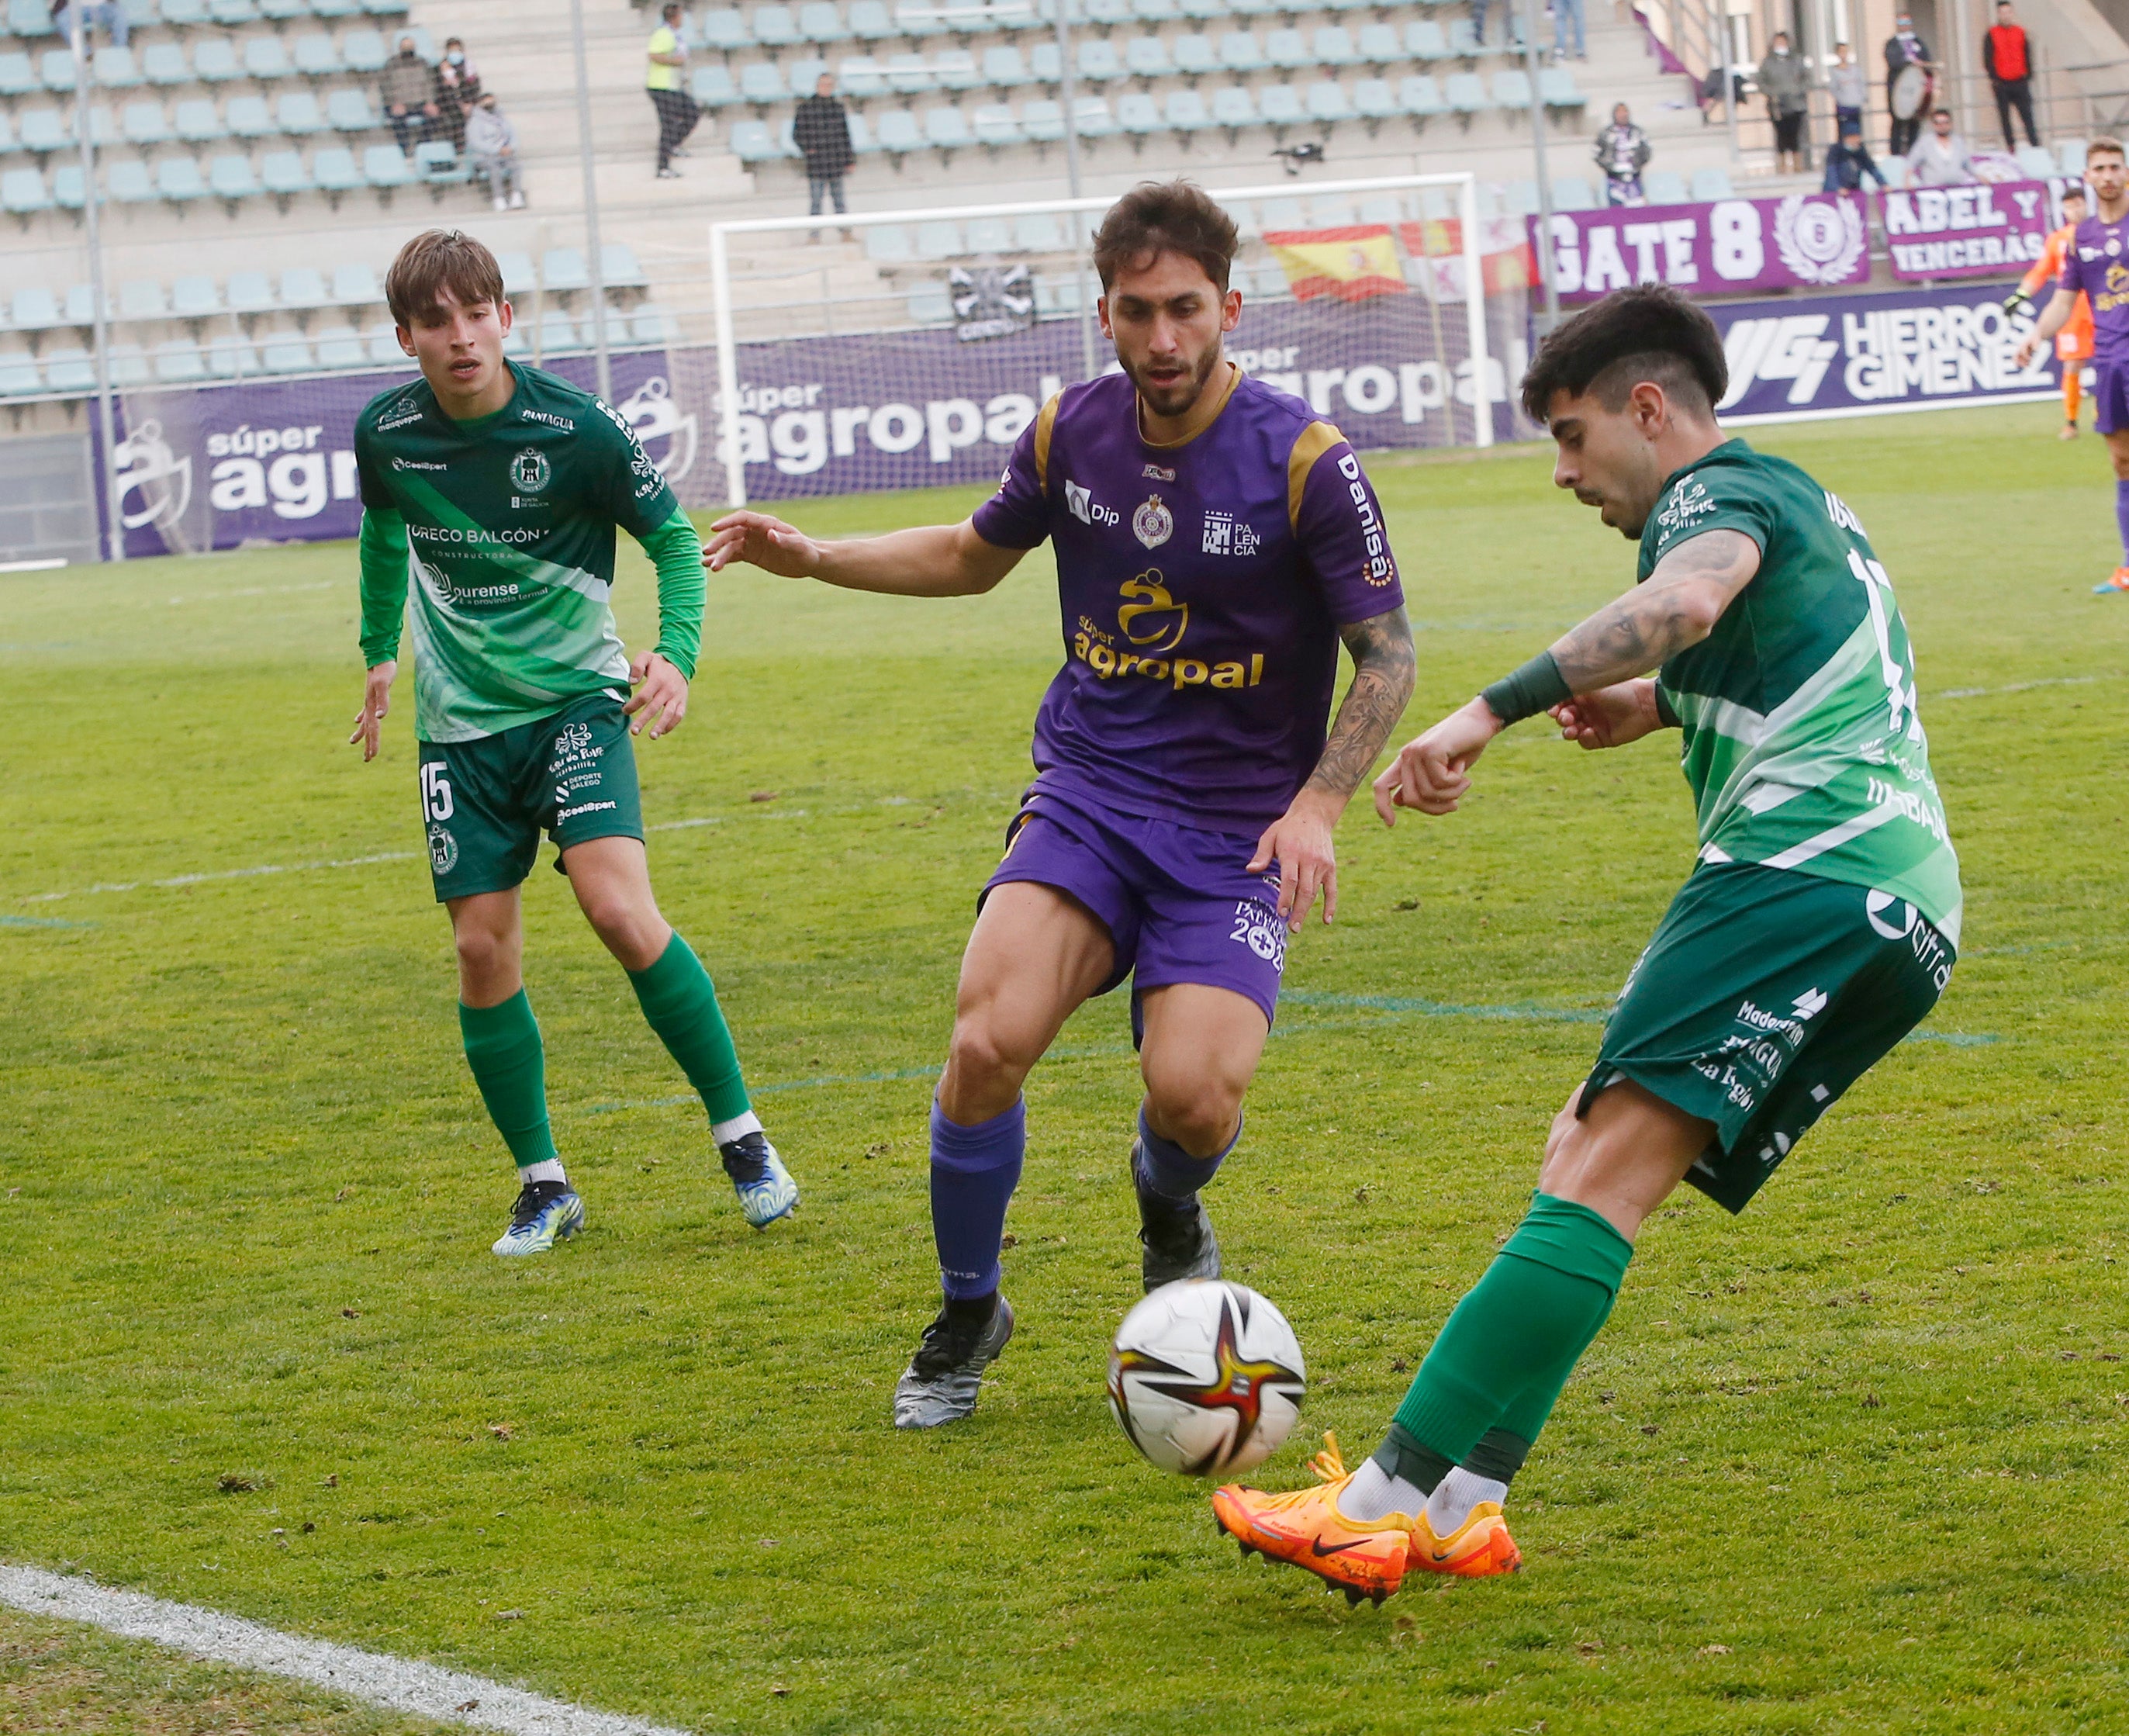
(1675,608)
(1300,839)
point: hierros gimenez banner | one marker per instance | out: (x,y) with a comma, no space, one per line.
(222,466)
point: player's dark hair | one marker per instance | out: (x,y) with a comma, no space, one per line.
(434,260)
(1166,216)
(1649,333)
(2104,148)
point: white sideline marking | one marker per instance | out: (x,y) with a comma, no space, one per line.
(449,1696)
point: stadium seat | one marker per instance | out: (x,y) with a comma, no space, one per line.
(1280,214)
(1895,171)
(250,291)
(651,324)
(335,9)
(1328,103)
(232,14)
(1056,297)
(1279,106)
(177,180)
(1573,192)
(364,50)
(215,62)
(230,356)
(1665,187)
(389,9)
(165,63)
(126,182)
(620,269)
(128,364)
(198,122)
(1106,15)
(930,305)
(437,163)
(178,362)
(989,235)
(1382,207)
(939,241)
(1287,49)
(1043,120)
(724,28)
(1154,12)
(1234,108)
(761,83)
(955,70)
(1091,118)
(860,77)
(2037,162)
(1332,213)
(7,132)
(900,133)
(947,130)
(995,125)
(248,117)
(355,286)
(1204,11)
(1146,57)
(333,171)
(751,141)
(34,309)
(1184,112)
(1374,101)
(908,75)
(70,369)
(1333,46)
(1380,45)
(385,167)
(287,354)
(20,375)
(18,77)
(265,59)
(1037,231)
(195,297)
(1011,15)
(1239,52)
(1464,41)
(1465,93)
(888,244)
(282,173)
(315,57)
(142,298)
(349,111)
(2072,156)
(1556,85)
(862,142)
(283,12)
(43,130)
(340,346)
(1097,62)
(1138,115)
(774,26)
(519,277)
(116,69)
(183,14)
(871,22)
(1195,56)
(1004,69)
(1423,40)
(55,71)
(144,123)
(1710,185)
(712,86)
(1253,8)
(1044,64)
(563,268)
(297,113)
(820,22)
(302,286)
(1511,90)
(67,186)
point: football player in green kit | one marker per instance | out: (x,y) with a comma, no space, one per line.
(498,488)
(1818,928)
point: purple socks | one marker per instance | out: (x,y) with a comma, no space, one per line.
(2121,514)
(973,1172)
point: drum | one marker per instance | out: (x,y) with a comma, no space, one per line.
(1910,94)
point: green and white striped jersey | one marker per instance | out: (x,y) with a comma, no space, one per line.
(1803,745)
(510,524)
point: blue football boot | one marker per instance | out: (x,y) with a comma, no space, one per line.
(766,1191)
(546,1212)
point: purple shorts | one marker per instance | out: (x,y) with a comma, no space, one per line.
(1179,904)
(2110,395)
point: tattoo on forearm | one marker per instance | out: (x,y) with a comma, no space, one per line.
(1383,671)
(1660,617)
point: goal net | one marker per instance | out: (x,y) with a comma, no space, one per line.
(914,354)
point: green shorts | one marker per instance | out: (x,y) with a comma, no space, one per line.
(1764,995)
(486,801)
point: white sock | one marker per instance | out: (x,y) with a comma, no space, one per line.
(723,1132)
(1373,1492)
(547,1170)
(1449,1508)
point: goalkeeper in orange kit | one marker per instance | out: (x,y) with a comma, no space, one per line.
(2073,342)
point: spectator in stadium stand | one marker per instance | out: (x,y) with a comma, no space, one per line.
(1850,89)
(2006,55)
(1849,161)
(1566,13)
(1478,20)
(1904,49)
(491,143)
(821,129)
(1940,158)
(1786,85)
(677,111)
(107,13)
(407,93)
(1622,153)
(458,90)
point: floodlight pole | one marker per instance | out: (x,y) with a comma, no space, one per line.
(1072,177)
(603,366)
(1545,262)
(115,525)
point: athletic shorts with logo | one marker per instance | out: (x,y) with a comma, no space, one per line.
(1764,995)
(1179,904)
(2110,394)
(486,801)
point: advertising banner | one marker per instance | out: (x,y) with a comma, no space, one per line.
(1733,246)
(1897,348)
(1982,231)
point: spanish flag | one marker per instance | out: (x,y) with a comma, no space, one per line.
(1352,263)
(1506,258)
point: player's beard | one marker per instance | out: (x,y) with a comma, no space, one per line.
(1176,396)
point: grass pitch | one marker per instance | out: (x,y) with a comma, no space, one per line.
(1849,1462)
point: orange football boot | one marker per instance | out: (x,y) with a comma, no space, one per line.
(1478,1548)
(1361,1558)
(2119,582)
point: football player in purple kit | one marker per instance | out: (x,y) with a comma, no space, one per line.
(1214,542)
(2097,261)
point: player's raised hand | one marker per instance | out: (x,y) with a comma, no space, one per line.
(1430,772)
(376,701)
(763,541)
(661,695)
(1611,716)
(1299,841)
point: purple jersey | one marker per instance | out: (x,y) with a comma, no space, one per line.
(1202,585)
(2097,261)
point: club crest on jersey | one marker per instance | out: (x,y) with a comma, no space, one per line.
(1153,524)
(529,472)
(443,850)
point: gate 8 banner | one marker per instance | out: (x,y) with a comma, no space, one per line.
(1729,247)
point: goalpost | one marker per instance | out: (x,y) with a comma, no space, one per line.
(925,365)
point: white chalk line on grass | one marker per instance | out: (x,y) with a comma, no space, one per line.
(427,1691)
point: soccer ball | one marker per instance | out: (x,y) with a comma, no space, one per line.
(1206,1377)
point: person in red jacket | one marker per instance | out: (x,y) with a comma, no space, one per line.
(2007,54)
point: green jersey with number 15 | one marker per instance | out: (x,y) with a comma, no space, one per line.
(1803,746)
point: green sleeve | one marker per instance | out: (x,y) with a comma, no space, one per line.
(383,546)
(677,552)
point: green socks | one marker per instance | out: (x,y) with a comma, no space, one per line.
(502,1047)
(682,1006)
(1496,1369)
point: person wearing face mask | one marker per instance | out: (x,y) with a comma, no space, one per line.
(491,144)
(1904,49)
(1786,85)
(457,90)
